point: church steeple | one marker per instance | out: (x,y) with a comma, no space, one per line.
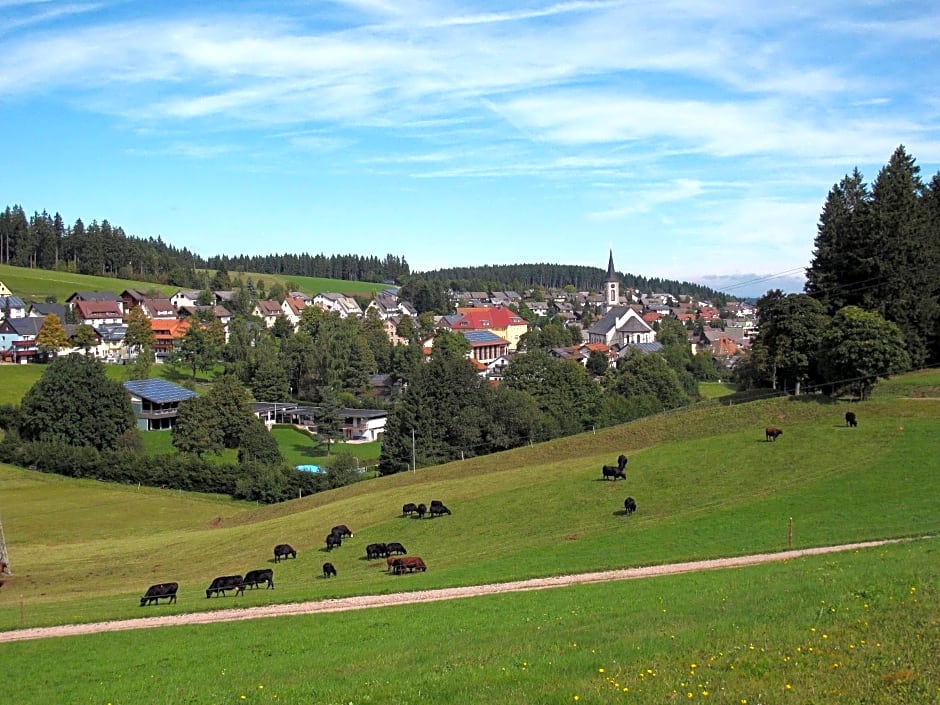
(612,283)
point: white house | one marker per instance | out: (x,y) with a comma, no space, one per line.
(345,306)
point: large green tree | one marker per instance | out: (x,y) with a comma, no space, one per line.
(641,374)
(139,330)
(791,330)
(859,347)
(75,403)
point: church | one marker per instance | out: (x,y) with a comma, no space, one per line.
(621,326)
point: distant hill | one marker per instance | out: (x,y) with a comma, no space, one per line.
(518,277)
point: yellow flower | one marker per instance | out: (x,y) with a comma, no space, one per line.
(600,670)
(577,697)
(789,687)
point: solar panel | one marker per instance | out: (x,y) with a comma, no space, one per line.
(158,391)
(481,336)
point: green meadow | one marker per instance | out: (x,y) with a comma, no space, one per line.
(37,284)
(850,627)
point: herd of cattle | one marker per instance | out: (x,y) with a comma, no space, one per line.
(397,560)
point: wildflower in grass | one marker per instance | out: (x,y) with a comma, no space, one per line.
(577,697)
(788,687)
(600,670)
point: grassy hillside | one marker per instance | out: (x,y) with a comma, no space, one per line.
(706,482)
(837,628)
(37,284)
(857,627)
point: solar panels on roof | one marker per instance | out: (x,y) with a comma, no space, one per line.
(481,336)
(158,391)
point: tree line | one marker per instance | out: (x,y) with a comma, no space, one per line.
(44,241)
(521,277)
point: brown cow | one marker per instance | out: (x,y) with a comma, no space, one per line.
(408,563)
(771,433)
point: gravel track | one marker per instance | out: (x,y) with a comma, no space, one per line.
(408,598)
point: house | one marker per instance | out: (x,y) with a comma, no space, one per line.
(97,312)
(5,290)
(621,326)
(132,298)
(345,306)
(364,424)
(390,326)
(499,320)
(18,338)
(111,345)
(293,307)
(185,297)
(268,311)
(158,308)
(156,402)
(96,297)
(38,310)
(387,305)
(12,307)
(485,346)
(166,333)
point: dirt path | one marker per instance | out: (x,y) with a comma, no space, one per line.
(408,598)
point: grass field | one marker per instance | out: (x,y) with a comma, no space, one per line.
(715,390)
(37,284)
(859,627)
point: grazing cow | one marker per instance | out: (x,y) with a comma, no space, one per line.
(438,508)
(611,472)
(394,547)
(620,471)
(283,550)
(422,510)
(254,578)
(771,433)
(342,531)
(410,508)
(226,582)
(850,419)
(155,592)
(328,570)
(376,550)
(629,505)
(333,541)
(409,564)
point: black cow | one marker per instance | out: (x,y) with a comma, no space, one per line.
(376,550)
(394,547)
(155,592)
(410,508)
(283,550)
(254,578)
(342,531)
(771,433)
(333,541)
(422,510)
(619,472)
(611,472)
(850,419)
(226,582)
(438,508)
(328,570)
(629,505)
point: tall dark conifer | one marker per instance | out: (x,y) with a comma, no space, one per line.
(900,234)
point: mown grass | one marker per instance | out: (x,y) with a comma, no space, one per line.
(715,390)
(858,627)
(37,284)
(706,483)
(317,285)
(301,448)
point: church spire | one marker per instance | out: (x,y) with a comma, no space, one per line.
(611,272)
(612,284)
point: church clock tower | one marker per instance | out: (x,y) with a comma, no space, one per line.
(612,284)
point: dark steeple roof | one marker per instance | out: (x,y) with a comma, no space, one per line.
(611,272)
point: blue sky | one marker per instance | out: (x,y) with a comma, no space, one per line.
(697,139)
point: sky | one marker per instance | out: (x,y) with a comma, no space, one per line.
(696,139)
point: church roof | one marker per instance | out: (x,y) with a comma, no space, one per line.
(611,272)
